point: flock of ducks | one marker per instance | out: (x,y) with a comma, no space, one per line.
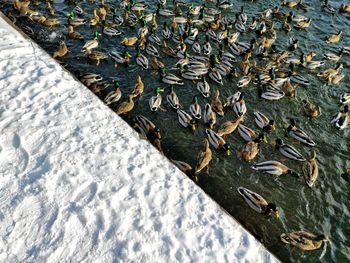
(190,34)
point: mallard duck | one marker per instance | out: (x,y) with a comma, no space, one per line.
(74,34)
(173,99)
(303,24)
(48,22)
(223,4)
(216,104)
(183,166)
(258,203)
(216,76)
(334,56)
(75,21)
(114,95)
(243,81)
(138,88)
(62,50)
(152,50)
(204,88)
(310,169)
(126,106)
(311,110)
(246,133)
(342,119)
(239,107)
(218,142)
(96,55)
(95,18)
(344,8)
(251,149)
(289,89)
(195,109)
(207,49)
(209,116)
(329,74)
(90,78)
(271,92)
(185,119)
(147,128)
(289,4)
(157,65)
(345,98)
(297,78)
(121,58)
(229,127)
(288,151)
(141,60)
(170,79)
(110,31)
(299,134)
(263,122)
(304,240)
(333,39)
(156,100)
(203,158)
(274,168)
(91,44)
(129,41)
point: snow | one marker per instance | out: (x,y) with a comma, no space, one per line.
(77,183)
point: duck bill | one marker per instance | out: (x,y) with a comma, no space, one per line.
(274,127)
(228,152)
(276,214)
(193,127)
(158,135)
(266,141)
(211,126)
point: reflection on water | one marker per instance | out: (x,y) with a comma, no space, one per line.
(322,209)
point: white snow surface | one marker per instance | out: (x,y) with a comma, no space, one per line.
(78,185)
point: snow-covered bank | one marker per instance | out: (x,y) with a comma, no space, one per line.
(77,184)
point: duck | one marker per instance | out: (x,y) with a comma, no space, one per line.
(183,166)
(139,87)
(345,98)
(333,39)
(251,149)
(217,105)
(223,4)
(129,41)
(303,24)
(195,109)
(229,127)
(147,128)
(288,151)
(310,169)
(48,22)
(170,78)
(258,203)
(204,157)
(204,88)
(345,8)
(243,81)
(239,107)
(114,95)
(62,50)
(334,56)
(311,110)
(156,100)
(121,58)
(186,120)
(173,99)
(297,78)
(74,34)
(216,76)
(209,116)
(304,240)
(274,168)
(152,50)
(218,142)
(246,133)
(95,18)
(342,119)
(141,60)
(263,122)
(96,55)
(126,106)
(90,78)
(75,21)
(91,44)
(299,134)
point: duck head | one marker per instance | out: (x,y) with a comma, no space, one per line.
(273,209)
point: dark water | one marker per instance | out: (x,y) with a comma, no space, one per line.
(322,209)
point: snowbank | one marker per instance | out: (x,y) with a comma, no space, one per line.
(77,184)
